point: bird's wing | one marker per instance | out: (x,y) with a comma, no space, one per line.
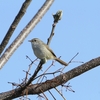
(50,50)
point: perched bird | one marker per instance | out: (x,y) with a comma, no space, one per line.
(43,52)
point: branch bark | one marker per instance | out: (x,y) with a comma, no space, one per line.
(49,84)
(14,25)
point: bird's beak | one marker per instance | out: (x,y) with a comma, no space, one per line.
(29,40)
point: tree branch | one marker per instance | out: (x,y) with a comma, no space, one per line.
(49,84)
(14,25)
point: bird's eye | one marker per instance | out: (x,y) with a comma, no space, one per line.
(34,40)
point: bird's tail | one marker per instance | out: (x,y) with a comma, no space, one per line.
(61,62)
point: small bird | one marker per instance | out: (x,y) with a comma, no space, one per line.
(43,52)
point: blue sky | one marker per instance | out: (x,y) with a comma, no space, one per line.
(78,31)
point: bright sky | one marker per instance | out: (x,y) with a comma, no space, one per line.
(78,31)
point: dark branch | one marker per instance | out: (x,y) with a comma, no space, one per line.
(59,80)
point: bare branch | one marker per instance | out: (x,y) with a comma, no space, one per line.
(14,25)
(68,87)
(52,95)
(45,72)
(49,84)
(60,93)
(57,17)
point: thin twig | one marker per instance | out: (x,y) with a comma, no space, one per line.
(58,71)
(44,95)
(69,62)
(52,34)
(68,87)
(60,93)
(52,95)
(14,84)
(73,58)
(27,57)
(56,17)
(45,72)
(40,96)
(31,61)
(29,68)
